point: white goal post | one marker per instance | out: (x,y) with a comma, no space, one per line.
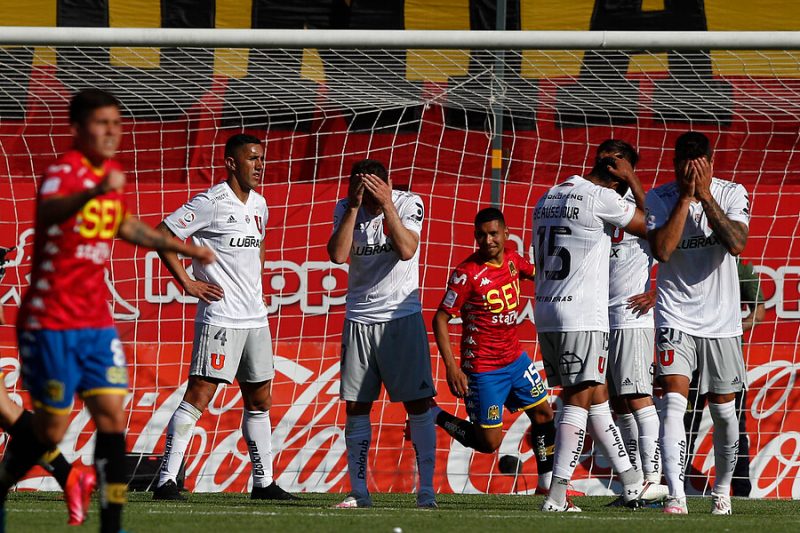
(429,104)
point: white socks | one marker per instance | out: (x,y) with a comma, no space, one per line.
(179,433)
(358,439)
(630,437)
(726,444)
(607,437)
(673,442)
(570,438)
(648,425)
(257,431)
(423,437)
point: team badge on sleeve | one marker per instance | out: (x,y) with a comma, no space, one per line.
(450,298)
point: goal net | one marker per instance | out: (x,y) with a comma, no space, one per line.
(432,114)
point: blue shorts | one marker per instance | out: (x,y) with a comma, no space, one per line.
(58,363)
(517,386)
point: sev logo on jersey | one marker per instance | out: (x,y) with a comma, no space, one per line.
(493,413)
(100,218)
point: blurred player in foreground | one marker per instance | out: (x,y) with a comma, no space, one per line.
(484,290)
(384,338)
(76,481)
(231,337)
(66,335)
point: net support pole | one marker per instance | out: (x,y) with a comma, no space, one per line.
(497,110)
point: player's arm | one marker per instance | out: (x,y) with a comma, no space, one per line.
(345,223)
(757,314)
(58,208)
(664,239)
(404,240)
(733,234)
(208,292)
(456,379)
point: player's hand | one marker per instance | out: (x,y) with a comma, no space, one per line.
(686,180)
(379,189)
(624,171)
(457,381)
(355,191)
(114,181)
(207,292)
(642,303)
(703,171)
(203,254)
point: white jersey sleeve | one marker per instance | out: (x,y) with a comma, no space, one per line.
(411,213)
(737,203)
(195,215)
(612,208)
(656,210)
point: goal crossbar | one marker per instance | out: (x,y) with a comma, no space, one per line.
(401,39)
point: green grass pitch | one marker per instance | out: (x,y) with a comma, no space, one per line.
(232,513)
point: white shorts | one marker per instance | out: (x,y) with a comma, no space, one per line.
(719,362)
(630,361)
(574,357)
(394,353)
(224,353)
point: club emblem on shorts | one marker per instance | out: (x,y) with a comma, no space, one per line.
(217,361)
(55,390)
(666,357)
(601,365)
(493,413)
(257,218)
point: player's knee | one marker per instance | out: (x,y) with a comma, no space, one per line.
(50,435)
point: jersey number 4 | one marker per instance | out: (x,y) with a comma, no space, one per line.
(548,252)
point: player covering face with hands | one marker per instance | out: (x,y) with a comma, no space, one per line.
(65,331)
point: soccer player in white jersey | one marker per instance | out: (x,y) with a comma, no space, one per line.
(630,320)
(232,337)
(384,338)
(696,225)
(572,224)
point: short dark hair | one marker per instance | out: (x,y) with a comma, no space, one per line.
(237,141)
(369,166)
(86,101)
(618,146)
(692,145)
(487,215)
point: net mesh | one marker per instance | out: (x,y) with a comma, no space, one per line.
(430,116)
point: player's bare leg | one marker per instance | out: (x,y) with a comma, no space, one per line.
(257,432)
(423,437)
(673,440)
(358,439)
(180,429)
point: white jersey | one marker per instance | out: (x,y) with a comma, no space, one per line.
(381,287)
(698,288)
(572,242)
(630,263)
(218,219)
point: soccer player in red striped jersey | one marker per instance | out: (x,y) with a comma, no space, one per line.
(65,331)
(484,290)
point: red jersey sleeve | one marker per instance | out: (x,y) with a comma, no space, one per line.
(458,290)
